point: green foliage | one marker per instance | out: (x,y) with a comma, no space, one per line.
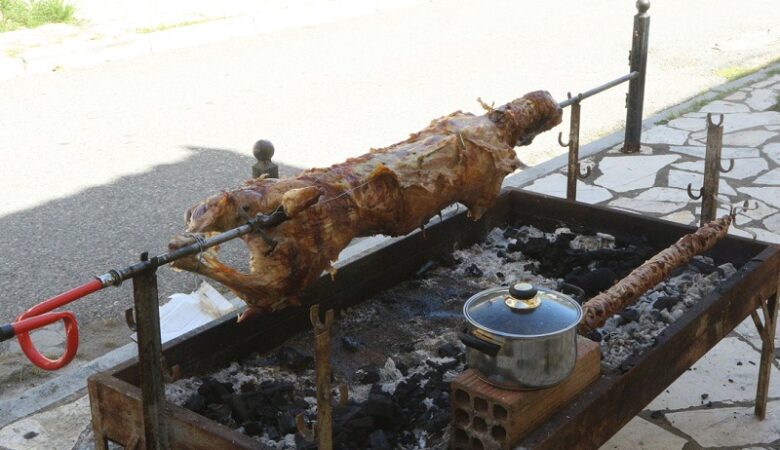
(15,14)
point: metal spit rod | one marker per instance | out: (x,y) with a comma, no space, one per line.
(583,95)
(41,314)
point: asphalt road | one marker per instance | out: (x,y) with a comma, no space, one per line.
(100,163)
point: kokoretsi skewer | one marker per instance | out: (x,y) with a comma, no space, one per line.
(598,309)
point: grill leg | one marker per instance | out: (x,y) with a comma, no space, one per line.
(767,332)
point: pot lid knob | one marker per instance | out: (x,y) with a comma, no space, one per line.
(522,297)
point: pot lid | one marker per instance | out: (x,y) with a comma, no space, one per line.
(522,310)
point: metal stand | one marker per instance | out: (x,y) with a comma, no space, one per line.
(264,151)
(712,170)
(767,332)
(636,87)
(574,171)
(322,431)
(150,357)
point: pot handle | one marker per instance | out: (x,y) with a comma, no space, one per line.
(478,344)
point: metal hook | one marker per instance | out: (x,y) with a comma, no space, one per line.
(560,140)
(581,175)
(735,210)
(694,197)
(307,432)
(710,123)
(722,170)
(314,317)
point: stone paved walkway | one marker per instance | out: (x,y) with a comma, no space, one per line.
(711,405)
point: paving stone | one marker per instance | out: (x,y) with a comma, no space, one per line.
(742,121)
(737,96)
(657,200)
(695,115)
(771,177)
(773,127)
(768,82)
(725,153)
(770,195)
(681,178)
(762,99)
(772,223)
(711,374)
(747,138)
(58,428)
(764,235)
(773,151)
(664,135)
(760,212)
(684,217)
(719,106)
(641,434)
(747,329)
(743,168)
(688,123)
(626,173)
(723,427)
(555,185)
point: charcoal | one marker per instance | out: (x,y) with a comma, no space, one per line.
(449,351)
(474,271)
(500,275)
(403,368)
(443,400)
(286,421)
(367,375)
(444,366)
(302,444)
(448,260)
(629,315)
(272,433)
(213,390)
(293,359)
(666,302)
(350,344)
(438,422)
(378,441)
(253,428)
(196,403)
(381,407)
(534,248)
(594,281)
(218,412)
(238,407)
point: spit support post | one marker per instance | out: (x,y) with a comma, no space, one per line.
(150,357)
(573,171)
(766,330)
(636,87)
(322,431)
(713,167)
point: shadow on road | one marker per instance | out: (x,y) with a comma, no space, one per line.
(53,247)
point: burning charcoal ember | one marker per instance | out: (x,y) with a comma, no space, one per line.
(293,359)
(474,271)
(350,344)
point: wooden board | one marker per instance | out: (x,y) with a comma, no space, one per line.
(488,417)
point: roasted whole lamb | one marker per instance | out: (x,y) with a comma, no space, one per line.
(458,158)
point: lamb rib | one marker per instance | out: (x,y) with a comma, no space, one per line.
(458,158)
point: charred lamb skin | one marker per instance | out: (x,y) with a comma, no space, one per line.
(394,190)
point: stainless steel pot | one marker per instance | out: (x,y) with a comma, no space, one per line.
(521,337)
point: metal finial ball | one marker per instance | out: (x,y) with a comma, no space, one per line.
(642,6)
(263,150)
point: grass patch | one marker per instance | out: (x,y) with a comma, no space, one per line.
(734,72)
(168,26)
(15,14)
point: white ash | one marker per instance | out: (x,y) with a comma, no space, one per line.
(625,334)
